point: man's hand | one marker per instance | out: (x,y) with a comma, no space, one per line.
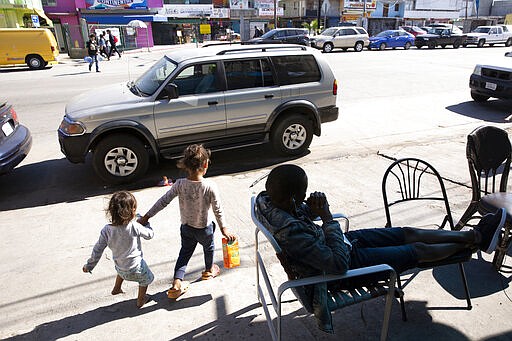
(143,220)
(319,206)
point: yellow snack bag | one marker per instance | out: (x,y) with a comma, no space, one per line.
(231,253)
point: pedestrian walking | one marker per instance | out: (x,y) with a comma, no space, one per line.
(103,46)
(196,196)
(113,41)
(122,236)
(92,50)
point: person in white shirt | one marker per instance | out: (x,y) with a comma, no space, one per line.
(122,236)
(196,195)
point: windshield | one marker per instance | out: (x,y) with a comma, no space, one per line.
(385,34)
(481,29)
(150,80)
(329,32)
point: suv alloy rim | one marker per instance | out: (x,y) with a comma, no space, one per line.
(121,161)
(294,136)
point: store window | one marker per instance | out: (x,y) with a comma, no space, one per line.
(49,2)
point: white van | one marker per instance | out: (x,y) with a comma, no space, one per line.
(35,47)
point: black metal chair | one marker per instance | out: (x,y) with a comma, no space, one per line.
(410,179)
(488,151)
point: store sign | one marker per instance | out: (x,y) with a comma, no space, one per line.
(100,4)
(239,4)
(355,4)
(269,12)
(186,11)
(220,13)
(264,3)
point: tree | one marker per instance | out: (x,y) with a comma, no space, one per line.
(312,27)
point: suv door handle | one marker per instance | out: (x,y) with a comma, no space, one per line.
(213,103)
(269,96)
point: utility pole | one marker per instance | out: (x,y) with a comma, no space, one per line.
(275,13)
(318,17)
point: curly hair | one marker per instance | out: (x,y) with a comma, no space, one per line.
(194,158)
(121,208)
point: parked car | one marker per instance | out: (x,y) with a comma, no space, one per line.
(282,36)
(489,35)
(440,36)
(343,37)
(492,80)
(221,96)
(15,139)
(391,38)
(414,30)
(453,28)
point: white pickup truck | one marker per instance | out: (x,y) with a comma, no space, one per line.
(500,34)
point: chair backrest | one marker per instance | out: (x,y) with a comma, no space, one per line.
(414,179)
(489,154)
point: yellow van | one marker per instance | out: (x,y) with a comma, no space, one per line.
(35,47)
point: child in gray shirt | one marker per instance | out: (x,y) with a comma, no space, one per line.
(122,236)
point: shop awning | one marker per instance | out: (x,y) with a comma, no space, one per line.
(121,19)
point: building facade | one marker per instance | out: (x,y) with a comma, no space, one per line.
(18,14)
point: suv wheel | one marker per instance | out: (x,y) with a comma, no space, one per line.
(509,42)
(292,135)
(358,47)
(481,43)
(120,158)
(328,47)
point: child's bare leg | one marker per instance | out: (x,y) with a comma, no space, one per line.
(117,287)
(142,298)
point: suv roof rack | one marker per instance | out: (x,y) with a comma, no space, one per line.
(223,43)
(263,49)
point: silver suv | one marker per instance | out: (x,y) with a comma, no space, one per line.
(344,37)
(222,96)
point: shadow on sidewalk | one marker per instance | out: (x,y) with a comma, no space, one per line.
(495,111)
(56,181)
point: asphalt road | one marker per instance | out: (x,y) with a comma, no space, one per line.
(391,102)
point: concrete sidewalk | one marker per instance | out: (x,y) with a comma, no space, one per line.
(46,297)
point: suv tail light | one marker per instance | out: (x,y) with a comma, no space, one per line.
(53,48)
(335,87)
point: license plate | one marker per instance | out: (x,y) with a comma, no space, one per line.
(7,128)
(490,86)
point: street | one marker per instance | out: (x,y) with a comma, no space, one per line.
(392,103)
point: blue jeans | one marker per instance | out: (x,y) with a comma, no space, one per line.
(381,246)
(190,236)
(94,59)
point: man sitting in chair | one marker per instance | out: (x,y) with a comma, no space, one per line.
(310,249)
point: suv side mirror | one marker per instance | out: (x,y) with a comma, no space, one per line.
(171,91)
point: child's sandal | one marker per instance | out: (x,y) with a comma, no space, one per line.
(215,271)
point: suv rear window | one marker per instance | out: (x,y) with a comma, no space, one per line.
(296,69)
(361,31)
(241,74)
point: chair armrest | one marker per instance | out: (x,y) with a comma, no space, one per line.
(339,217)
(329,278)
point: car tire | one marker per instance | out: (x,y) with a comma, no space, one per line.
(509,42)
(328,47)
(291,135)
(382,46)
(120,158)
(35,62)
(456,44)
(479,98)
(407,46)
(480,43)
(431,45)
(359,46)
